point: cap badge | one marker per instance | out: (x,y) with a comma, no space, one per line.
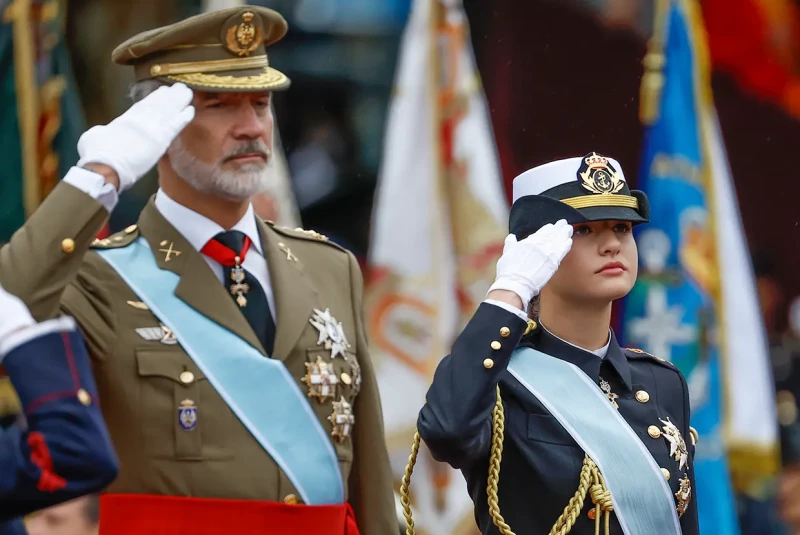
(243,38)
(598,176)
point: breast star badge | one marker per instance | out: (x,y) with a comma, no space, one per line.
(321,380)
(677,446)
(684,495)
(342,419)
(331,333)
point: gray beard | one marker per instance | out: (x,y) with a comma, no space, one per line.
(239,185)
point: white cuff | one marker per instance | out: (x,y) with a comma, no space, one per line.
(521,314)
(23,336)
(93,185)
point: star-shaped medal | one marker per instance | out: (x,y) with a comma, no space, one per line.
(677,446)
(331,333)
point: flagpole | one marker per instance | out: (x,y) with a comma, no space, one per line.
(19,13)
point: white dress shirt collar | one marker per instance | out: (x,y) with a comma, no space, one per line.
(198,229)
(599,352)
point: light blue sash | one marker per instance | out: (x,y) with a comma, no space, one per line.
(643,502)
(259,390)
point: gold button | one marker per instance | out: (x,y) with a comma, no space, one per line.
(130,229)
(642,396)
(488,364)
(496,345)
(84,397)
(504,332)
(346,378)
(291,499)
(654,431)
(592,514)
(155,70)
(187,377)
(68,245)
(666,473)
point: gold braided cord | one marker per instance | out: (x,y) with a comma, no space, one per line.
(405,499)
(573,509)
(496,456)
(591,482)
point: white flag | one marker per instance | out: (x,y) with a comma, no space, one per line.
(440,217)
(750,420)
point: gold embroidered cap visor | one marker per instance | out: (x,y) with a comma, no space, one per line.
(579,190)
(221,51)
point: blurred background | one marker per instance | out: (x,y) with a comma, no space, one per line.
(509,84)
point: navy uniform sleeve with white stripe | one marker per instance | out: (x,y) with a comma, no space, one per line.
(66,451)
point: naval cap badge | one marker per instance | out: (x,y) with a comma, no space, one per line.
(597,175)
(331,333)
(677,446)
(187,414)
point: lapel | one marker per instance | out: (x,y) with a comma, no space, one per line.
(198,286)
(294,293)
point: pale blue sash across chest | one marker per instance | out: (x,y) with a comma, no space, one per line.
(258,389)
(643,502)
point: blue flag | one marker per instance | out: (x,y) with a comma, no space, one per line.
(674,310)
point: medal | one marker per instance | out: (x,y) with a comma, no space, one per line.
(342,419)
(606,388)
(239,287)
(321,380)
(677,446)
(331,333)
(684,494)
(187,415)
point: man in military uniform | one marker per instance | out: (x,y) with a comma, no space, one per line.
(66,451)
(230,354)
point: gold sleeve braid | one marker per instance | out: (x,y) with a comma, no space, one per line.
(590,481)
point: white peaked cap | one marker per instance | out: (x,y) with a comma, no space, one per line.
(547,176)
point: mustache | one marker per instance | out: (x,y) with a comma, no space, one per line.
(255,146)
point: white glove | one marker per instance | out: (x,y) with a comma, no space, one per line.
(14,315)
(133,143)
(527,265)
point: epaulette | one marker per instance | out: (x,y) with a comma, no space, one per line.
(641,353)
(122,238)
(302,233)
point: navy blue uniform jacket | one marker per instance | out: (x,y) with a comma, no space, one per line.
(541,461)
(66,451)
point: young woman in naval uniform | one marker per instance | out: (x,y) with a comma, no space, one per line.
(555,427)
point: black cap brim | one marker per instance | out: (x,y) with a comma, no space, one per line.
(532,212)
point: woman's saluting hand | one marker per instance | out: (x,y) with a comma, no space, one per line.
(527,265)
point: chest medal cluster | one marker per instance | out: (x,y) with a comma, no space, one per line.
(677,446)
(322,379)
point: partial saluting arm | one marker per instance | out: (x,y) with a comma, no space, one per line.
(46,254)
(455,421)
